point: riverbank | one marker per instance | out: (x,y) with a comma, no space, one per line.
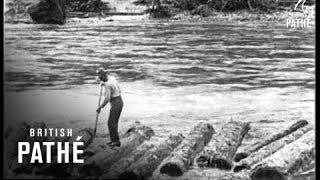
(250,16)
(254,16)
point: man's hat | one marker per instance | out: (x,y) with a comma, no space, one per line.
(100,71)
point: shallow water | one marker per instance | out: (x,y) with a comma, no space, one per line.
(172,75)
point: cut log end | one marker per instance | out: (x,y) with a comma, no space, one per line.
(214,162)
(240,167)
(202,160)
(171,169)
(221,163)
(239,156)
(266,173)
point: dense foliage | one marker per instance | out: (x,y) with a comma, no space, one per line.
(87,5)
(207,7)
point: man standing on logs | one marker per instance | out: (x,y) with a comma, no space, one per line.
(112,94)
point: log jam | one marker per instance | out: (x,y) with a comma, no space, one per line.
(143,167)
(282,133)
(266,151)
(103,160)
(182,157)
(100,143)
(287,160)
(223,145)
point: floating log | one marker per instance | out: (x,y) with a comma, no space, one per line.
(119,167)
(266,151)
(103,160)
(287,160)
(86,137)
(223,145)
(99,143)
(282,133)
(203,174)
(144,167)
(179,160)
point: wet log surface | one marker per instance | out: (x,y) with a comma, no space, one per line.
(182,157)
(203,174)
(282,133)
(120,166)
(103,160)
(287,160)
(99,143)
(266,151)
(144,167)
(220,150)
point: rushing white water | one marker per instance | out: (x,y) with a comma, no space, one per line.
(172,75)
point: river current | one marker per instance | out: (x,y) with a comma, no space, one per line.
(172,74)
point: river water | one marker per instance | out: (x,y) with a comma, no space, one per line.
(172,75)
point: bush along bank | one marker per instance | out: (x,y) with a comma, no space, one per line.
(230,10)
(19,10)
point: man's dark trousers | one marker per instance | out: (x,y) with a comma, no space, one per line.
(115,111)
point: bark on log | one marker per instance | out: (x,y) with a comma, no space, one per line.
(180,159)
(266,151)
(223,145)
(99,144)
(282,133)
(119,167)
(287,160)
(144,167)
(86,137)
(102,161)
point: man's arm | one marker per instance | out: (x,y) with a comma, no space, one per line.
(107,96)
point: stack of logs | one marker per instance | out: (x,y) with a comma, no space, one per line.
(276,156)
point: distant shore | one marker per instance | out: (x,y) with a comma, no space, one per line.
(253,16)
(235,16)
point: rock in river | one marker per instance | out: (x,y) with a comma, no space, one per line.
(48,12)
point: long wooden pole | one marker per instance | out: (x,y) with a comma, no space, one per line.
(97,116)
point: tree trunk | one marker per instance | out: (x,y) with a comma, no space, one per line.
(266,151)
(282,133)
(99,144)
(104,159)
(223,145)
(86,137)
(136,167)
(249,4)
(287,160)
(180,159)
